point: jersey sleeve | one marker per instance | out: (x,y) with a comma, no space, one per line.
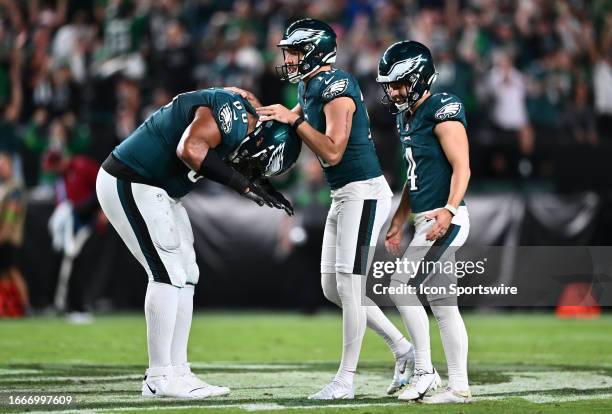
(230,115)
(338,86)
(448,107)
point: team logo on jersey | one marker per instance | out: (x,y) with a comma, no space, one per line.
(335,89)
(225,118)
(448,111)
(275,163)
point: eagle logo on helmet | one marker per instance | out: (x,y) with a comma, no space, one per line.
(335,89)
(275,163)
(403,67)
(225,118)
(448,111)
(301,35)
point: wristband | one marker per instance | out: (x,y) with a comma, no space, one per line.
(451,208)
(297,123)
(215,169)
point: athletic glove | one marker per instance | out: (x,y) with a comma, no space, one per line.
(280,201)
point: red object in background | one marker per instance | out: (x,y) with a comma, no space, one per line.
(80,179)
(10,303)
(576,301)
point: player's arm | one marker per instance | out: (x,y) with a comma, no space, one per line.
(454,142)
(330,146)
(196,150)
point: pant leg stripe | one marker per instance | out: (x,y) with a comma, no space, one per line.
(364,236)
(436,251)
(139,226)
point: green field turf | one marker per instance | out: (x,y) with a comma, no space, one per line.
(518,363)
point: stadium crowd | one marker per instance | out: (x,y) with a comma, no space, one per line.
(76,77)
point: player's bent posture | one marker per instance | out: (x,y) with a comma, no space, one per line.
(139,187)
(434,138)
(332,120)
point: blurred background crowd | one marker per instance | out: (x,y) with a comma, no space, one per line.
(76,77)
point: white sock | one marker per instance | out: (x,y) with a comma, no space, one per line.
(353,325)
(455,343)
(379,323)
(376,319)
(161,303)
(180,339)
(417,324)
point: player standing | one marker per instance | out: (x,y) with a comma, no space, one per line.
(432,129)
(332,120)
(139,187)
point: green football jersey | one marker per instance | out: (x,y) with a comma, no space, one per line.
(428,170)
(359,161)
(151,149)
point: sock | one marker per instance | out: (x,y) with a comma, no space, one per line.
(455,344)
(380,324)
(353,325)
(182,326)
(376,319)
(417,324)
(161,303)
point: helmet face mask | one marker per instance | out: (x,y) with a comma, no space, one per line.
(315,44)
(410,64)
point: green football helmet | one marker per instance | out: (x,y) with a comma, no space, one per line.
(408,62)
(271,149)
(316,42)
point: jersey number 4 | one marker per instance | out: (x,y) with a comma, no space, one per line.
(411,173)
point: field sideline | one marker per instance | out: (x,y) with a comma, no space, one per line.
(518,363)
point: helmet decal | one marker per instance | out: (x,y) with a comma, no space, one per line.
(301,35)
(404,67)
(275,163)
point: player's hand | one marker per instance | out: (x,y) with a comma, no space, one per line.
(245,94)
(278,113)
(442,219)
(280,200)
(258,195)
(393,240)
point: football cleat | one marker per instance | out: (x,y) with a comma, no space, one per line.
(334,391)
(448,396)
(197,388)
(420,384)
(155,382)
(404,366)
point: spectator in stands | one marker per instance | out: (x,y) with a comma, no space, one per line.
(12,216)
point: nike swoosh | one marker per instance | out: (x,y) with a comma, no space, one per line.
(150,389)
(328,81)
(444,100)
(403,369)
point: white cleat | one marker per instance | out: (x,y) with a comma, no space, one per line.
(197,388)
(334,391)
(178,382)
(448,396)
(420,384)
(155,382)
(404,367)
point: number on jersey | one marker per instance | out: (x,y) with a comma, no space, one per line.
(411,173)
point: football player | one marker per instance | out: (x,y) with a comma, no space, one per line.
(331,119)
(139,187)
(432,129)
